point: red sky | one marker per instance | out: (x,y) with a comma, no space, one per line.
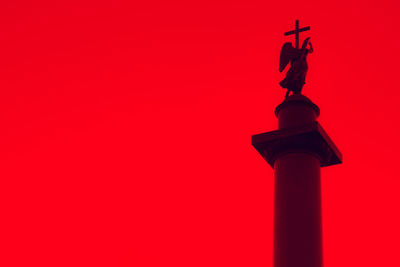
(126,126)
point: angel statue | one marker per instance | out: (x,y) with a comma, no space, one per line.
(296,75)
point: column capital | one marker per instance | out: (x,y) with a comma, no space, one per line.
(309,138)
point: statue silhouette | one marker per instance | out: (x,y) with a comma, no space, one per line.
(296,75)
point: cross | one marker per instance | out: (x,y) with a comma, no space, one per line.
(296,32)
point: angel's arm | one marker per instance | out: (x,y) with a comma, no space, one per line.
(311,48)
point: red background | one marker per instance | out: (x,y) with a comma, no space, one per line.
(126,125)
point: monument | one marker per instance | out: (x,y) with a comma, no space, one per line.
(296,152)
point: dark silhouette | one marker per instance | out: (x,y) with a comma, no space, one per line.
(296,152)
(296,75)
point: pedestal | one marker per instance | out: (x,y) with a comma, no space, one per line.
(297,151)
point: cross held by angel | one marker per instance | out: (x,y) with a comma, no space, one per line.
(296,75)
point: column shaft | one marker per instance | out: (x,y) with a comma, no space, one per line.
(297,218)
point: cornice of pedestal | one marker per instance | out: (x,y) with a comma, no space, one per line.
(309,138)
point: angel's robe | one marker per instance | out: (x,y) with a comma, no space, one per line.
(296,75)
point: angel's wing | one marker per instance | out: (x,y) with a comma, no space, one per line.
(288,52)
